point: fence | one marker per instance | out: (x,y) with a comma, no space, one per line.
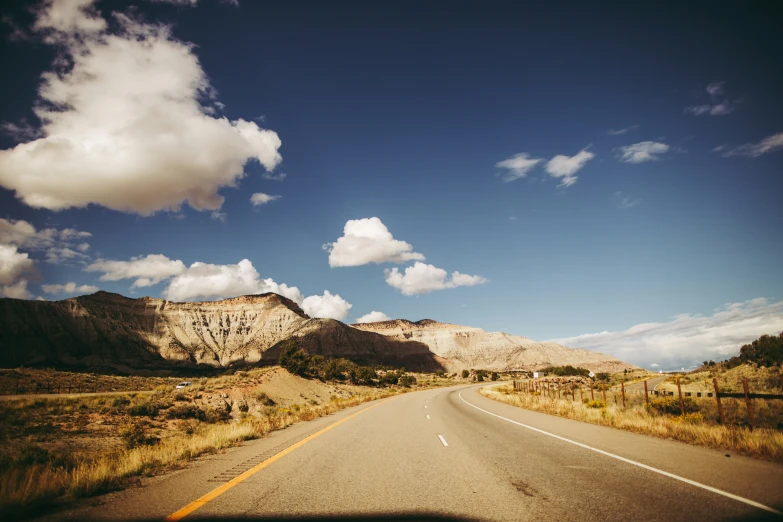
(23,388)
(561,388)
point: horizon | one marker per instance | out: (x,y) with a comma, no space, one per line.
(370,162)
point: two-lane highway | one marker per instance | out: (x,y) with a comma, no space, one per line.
(454,453)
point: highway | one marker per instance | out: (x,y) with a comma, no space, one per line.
(452,454)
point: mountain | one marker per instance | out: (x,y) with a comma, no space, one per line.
(467,347)
(113,333)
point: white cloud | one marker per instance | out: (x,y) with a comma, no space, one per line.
(373,317)
(206,281)
(128,121)
(13,264)
(422,278)
(69,288)
(624,201)
(718,105)
(17,290)
(769,144)
(274,177)
(716,88)
(564,167)
(326,306)
(147,271)
(517,166)
(618,132)
(15,269)
(642,151)
(688,339)
(367,241)
(24,235)
(259,198)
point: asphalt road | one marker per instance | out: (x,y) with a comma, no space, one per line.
(452,454)
(651,384)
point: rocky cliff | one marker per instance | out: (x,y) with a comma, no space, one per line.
(467,347)
(111,332)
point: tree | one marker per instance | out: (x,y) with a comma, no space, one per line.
(293,358)
(494,376)
(465,374)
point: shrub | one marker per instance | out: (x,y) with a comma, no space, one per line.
(264,399)
(136,435)
(293,359)
(690,418)
(185,411)
(120,402)
(596,404)
(145,409)
(602,376)
(465,374)
(671,405)
(494,376)
(567,371)
(32,455)
(407,381)
(215,415)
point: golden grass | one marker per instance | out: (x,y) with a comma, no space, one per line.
(760,443)
(22,490)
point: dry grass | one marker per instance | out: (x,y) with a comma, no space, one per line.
(760,379)
(25,489)
(761,443)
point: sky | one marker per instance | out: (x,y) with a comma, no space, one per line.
(605,178)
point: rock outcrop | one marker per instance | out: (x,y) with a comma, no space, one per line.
(467,347)
(110,332)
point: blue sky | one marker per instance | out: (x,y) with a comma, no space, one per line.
(646,144)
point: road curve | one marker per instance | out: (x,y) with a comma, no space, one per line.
(452,454)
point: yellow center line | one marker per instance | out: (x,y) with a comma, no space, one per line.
(215,493)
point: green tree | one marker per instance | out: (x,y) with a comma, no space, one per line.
(293,358)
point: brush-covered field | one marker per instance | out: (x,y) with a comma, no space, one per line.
(663,417)
(60,447)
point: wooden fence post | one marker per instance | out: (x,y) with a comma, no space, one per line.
(646,396)
(717,399)
(622,387)
(603,389)
(751,419)
(592,395)
(679,392)
(558,389)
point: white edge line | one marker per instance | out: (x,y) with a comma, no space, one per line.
(443,440)
(633,462)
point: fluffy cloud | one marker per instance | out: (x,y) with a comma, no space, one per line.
(642,151)
(17,290)
(517,166)
(718,105)
(15,268)
(60,245)
(259,198)
(688,339)
(128,121)
(367,241)
(206,281)
(754,150)
(147,271)
(69,288)
(564,167)
(326,306)
(373,317)
(422,278)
